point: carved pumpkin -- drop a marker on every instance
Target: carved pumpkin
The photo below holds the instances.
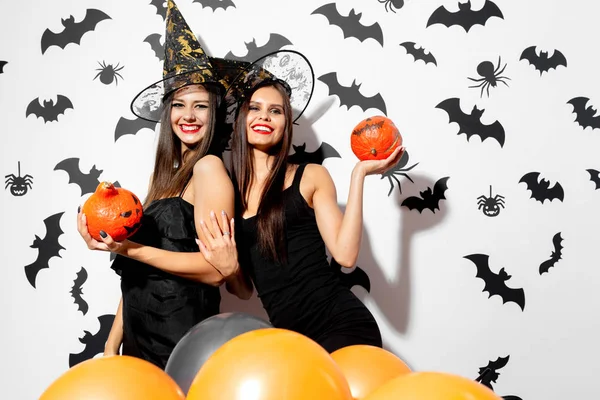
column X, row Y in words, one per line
column 113, row 210
column 375, row 138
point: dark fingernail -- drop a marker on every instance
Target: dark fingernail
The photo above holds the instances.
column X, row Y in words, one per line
column 103, row 234
column 78, row 209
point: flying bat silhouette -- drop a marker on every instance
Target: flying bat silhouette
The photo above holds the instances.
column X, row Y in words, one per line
column 351, row 96
column 542, row 63
column 160, row 8
column 73, row 31
column 87, row 182
column 154, row 41
column 541, row 190
column 429, row 199
column 555, row 256
column 510, row 397
column 275, row 42
column 418, row 53
column 49, row 111
column 357, row 277
column 132, row 126
column 586, row 117
column 465, row 16
column 495, row 284
column 489, row 373
column 2, row 64
column 470, row 124
column 94, row 344
column 594, row 177
column 76, row 291
column 215, row 4
column 48, row 247
column 324, row 151
column 350, row 25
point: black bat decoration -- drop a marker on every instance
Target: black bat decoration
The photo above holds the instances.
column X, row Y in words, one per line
column 76, row 291
column 541, row 190
column 215, row 4
column 275, row 43
column 87, row 182
column 555, row 256
column 73, row 31
column 49, row 111
column 357, row 277
column 48, row 247
column 429, row 199
column 161, row 9
column 351, row 96
column 350, row 25
column 154, row 41
column 594, row 177
column 542, row 63
column 418, row 53
column 489, row 373
column 510, row 397
column 470, row 124
column 586, row 117
column 94, row 344
column 132, row 126
column 2, row 64
column 324, row 151
column 465, row 16
column 495, row 284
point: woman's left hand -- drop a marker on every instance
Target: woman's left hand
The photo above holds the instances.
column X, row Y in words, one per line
column 371, row 167
column 220, row 248
column 107, row 243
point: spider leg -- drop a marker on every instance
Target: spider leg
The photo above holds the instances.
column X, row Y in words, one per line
column 500, row 80
column 8, row 184
column 488, row 91
column 476, row 80
column 403, row 174
column 10, row 175
column 498, row 67
column 28, row 184
column 480, row 85
column 399, row 184
column 480, row 205
column 482, row 88
column 481, row 198
column 28, row 180
column 391, row 186
column 501, row 205
column 99, row 73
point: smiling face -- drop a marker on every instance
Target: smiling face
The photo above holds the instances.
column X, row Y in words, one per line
column 265, row 122
column 190, row 113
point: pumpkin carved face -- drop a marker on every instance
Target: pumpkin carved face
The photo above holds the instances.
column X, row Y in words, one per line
column 375, row 138
column 116, row 211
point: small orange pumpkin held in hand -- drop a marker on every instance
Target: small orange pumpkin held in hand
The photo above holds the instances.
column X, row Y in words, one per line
column 116, row 211
column 375, row 138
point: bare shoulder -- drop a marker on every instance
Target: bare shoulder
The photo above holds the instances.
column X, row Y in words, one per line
column 318, row 175
column 209, row 164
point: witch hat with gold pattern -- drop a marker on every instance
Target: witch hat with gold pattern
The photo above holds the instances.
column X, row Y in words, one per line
column 185, row 63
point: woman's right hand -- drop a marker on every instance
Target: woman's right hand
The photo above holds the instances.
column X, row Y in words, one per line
column 91, row 243
column 220, row 249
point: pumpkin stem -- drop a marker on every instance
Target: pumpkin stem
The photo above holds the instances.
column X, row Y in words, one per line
column 107, row 189
column 373, row 151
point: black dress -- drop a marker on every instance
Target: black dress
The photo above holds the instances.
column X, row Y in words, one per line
column 159, row 307
column 305, row 295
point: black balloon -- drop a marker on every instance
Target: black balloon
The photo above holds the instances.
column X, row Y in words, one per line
column 194, row 349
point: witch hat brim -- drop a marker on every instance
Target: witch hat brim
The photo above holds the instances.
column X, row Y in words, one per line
column 288, row 67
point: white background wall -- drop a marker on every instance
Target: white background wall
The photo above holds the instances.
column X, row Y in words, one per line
column 425, row 295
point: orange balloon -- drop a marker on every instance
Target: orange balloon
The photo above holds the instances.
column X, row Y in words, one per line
column 114, row 378
column 432, row 385
column 368, row 367
column 270, row 364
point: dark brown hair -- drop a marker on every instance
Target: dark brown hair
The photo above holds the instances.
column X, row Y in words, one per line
column 171, row 174
column 270, row 213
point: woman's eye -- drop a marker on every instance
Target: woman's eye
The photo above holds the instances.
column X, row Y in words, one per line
column 253, row 108
column 201, row 106
column 177, row 105
column 276, row 111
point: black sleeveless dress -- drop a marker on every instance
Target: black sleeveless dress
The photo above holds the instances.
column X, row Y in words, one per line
column 159, row 307
column 306, row 295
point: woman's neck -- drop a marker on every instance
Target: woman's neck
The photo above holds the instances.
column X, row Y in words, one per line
column 263, row 163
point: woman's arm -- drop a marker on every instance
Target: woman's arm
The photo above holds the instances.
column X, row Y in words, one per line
column 115, row 337
column 342, row 232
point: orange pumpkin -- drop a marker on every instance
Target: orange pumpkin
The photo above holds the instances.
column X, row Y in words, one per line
column 375, row 138
column 116, row 211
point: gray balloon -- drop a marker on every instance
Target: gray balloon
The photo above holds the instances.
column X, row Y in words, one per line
column 200, row 342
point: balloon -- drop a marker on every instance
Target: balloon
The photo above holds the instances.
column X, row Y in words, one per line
column 114, row 378
column 193, row 349
column 366, row 368
column 270, row 364
column 432, row 385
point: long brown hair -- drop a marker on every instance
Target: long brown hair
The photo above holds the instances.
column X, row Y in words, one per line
column 270, row 213
column 171, row 173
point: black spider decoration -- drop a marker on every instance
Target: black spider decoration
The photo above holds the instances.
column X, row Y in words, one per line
column 490, row 76
column 391, row 4
column 491, row 205
column 18, row 185
column 398, row 169
column 108, row 73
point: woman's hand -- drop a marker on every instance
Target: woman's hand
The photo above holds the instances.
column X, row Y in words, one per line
column 107, row 244
column 220, row 249
column 370, row 167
